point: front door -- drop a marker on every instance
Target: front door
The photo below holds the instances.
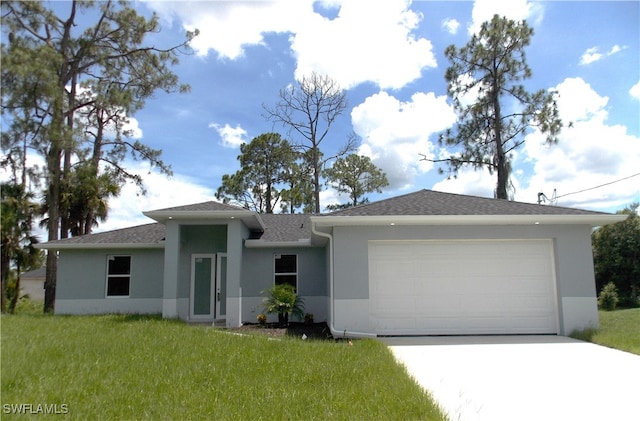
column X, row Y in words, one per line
column 203, row 271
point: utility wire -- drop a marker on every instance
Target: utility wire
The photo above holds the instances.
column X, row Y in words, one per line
column 597, row 187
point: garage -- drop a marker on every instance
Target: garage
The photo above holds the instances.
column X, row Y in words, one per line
column 462, row 287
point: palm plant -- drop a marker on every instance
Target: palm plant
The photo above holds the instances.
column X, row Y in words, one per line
column 17, row 213
column 282, row 300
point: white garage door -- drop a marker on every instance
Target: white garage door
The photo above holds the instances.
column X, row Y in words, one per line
column 462, row 287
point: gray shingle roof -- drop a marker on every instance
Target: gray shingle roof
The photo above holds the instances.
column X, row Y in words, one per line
column 204, row 206
column 141, row 234
column 286, row 227
column 429, row 202
column 295, row 227
column 34, row 274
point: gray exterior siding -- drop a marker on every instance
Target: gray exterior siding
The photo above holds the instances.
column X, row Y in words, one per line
column 258, row 275
column 258, row 270
column 82, row 274
column 82, row 277
column 573, row 265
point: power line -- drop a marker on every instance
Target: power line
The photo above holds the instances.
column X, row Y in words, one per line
column 597, row 187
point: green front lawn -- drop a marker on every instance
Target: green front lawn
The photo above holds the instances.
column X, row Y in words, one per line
column 619, row 329
column 129, row 367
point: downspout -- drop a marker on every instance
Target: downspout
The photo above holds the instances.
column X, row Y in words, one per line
column 336, row 333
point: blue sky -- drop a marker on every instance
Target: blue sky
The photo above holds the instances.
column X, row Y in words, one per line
column 389, row 56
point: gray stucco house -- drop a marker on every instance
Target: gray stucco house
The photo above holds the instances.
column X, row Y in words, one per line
column 424, row 263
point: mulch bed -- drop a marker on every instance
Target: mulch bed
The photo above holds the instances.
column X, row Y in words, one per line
column 318, row 331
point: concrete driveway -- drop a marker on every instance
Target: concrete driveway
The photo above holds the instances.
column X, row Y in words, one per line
column 520, row 378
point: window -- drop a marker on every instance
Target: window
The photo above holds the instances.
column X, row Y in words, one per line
column 118, row 276
column 286, row 269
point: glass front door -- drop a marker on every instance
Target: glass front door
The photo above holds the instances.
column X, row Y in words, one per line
column 202, row 286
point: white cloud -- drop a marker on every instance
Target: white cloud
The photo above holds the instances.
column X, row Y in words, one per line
column 129, row 125
column 635, row 91
column 450, row 25
column 162, row 192
column 132, row 127
column 363, row 43
column 577, row 101
column 228, row 27
column 394, row 133
column 126, row 209
column 332, row 197
column 232, row 137
column 483, row 11
column 468, row 181
column 592, row 55
column 615, row 49
column 589, row 154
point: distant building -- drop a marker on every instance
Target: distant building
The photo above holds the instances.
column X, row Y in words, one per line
column 32, row 284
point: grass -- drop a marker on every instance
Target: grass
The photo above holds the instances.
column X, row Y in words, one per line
column 619, row 329
column 135, row 367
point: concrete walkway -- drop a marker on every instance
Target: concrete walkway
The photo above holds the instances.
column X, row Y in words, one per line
column 522, row 378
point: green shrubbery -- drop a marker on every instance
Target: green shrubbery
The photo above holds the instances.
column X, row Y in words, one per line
column 282, row 300
column 616, row 257
column 608, row 298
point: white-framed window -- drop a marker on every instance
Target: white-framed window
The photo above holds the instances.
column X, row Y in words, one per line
column 118, row 276
column 286, row 269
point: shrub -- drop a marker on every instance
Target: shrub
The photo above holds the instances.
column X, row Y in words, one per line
column 308, row 318
column 262, row 318
column 608, row 298
column 282, row 300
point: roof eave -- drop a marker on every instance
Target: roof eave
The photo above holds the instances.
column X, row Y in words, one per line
column 591, row 220
column 98, row 246
column 250, row 219
column 303, row 242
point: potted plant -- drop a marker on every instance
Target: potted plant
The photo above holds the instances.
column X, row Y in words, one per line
column 282, row 300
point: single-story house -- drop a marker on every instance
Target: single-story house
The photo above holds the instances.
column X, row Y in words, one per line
column 32, row 284
column 424, row 263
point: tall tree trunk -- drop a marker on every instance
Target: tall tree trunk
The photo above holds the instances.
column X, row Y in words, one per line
column 316, row 178
column 54, row 159
column 95, row 167
column 269, row 208
column 501, row 162
column 4, row 275
column 59, row 144
column 65, row 222
column 53, row 197
column 16, row 294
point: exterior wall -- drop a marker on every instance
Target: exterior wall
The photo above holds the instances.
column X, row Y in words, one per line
column 170, row 303
column 249, row 271
column 573, row 266
column 183, row 240
column 34, row 287
column 237, row 233
column 82, row 277
column 258, row 275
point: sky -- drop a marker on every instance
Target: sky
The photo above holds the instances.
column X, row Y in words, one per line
column 389, row 57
